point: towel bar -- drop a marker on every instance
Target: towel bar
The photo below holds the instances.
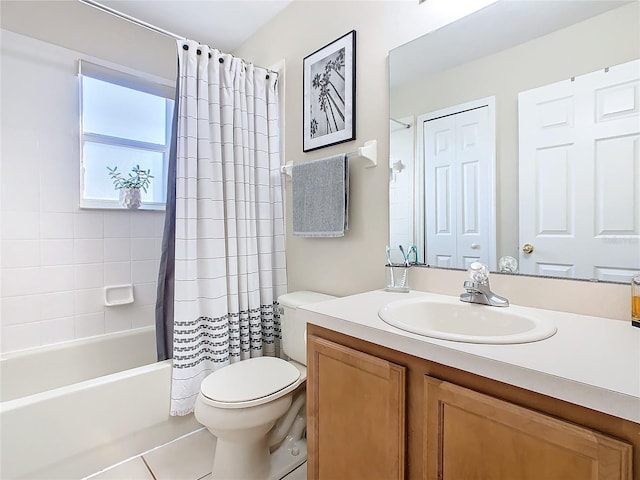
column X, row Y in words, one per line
column 369, row 151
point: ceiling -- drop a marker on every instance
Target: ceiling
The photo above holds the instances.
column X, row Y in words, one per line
column 498, row 26
column 222, row 24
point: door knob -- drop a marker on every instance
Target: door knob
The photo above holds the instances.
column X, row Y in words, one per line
column 527, row 248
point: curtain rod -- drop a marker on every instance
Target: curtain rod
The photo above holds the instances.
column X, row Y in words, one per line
column 131, row 19
column 406, row 125
column 135, row 21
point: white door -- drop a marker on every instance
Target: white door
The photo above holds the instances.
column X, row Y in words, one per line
column 579, row 177
column 458, row 159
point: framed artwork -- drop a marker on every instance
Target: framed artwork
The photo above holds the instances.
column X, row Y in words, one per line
column 329, row 85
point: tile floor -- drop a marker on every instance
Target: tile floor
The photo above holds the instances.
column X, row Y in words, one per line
column 188, row 458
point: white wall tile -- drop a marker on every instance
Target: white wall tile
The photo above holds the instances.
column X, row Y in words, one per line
column 56, row 252
column 19, row 151
column 20, row 253
column 56, row 305
column 88, row 250
column 20, row 281
column 117, row 249
column 158, row 248
column 87, row 301
column 89, row 325
column 144, row 248
column 19, row 337
column 117, row 318
column 144, row 271
column 143, row 224
column 56, row 225
column 159, row 224
column 56, row 278
column 22, row 309
column 56, row 197
column 89, row 225
column 59, row 172
column 143, row 316
column 17, row 194
column 18, row 142
column 116, row 225
column 88, row 275
column 54, row 259
column 145, row 294
column 57, row 330
column 117, row 273
column 20, row 225
column 46, row 109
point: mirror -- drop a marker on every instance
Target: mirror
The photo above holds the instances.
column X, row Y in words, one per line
column 509, row 82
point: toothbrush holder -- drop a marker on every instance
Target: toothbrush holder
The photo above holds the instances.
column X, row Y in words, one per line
column 397, row 277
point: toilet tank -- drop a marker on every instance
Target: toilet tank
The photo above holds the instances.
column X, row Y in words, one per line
column 294, row 332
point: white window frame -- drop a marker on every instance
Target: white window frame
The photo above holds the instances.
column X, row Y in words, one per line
column 135, row 80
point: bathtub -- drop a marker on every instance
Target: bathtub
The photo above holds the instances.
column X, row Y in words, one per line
column 70, row 410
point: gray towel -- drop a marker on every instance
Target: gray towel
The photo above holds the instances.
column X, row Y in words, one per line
column 320, row 191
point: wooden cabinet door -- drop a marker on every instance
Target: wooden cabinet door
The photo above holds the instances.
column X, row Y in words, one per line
column 472, row 436
column 355, row 414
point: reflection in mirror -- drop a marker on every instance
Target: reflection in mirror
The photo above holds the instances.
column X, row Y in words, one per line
column 515, row 132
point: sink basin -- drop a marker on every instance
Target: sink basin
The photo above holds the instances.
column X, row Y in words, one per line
column 465, row 322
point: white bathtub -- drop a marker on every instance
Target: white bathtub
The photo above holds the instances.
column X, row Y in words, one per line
column 72, row 409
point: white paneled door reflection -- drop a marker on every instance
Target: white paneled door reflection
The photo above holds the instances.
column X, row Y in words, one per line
column 579, row 161
column 458, row 157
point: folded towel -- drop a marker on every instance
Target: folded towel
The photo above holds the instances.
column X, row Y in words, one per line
column 320, row 191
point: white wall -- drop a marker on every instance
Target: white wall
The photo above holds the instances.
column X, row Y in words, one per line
column 355, row 263
column 76, row 26
column 55, row 259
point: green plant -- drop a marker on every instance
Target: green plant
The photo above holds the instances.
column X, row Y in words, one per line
column 137, row 178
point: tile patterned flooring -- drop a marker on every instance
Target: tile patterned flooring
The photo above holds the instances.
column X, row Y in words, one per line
column 188, row 458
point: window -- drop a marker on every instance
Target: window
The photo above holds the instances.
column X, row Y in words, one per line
column 125, row 121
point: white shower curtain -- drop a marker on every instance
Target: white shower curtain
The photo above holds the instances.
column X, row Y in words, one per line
column 230, row 263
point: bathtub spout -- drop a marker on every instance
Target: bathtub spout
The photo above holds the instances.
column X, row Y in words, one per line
column 282, row 426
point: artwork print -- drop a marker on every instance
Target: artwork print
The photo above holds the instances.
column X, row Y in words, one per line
column 329, row 94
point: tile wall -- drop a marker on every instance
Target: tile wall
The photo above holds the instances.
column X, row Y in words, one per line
column 401, row 188
column 56, row 259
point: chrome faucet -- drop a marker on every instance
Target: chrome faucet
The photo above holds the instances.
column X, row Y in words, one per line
column 478, row 289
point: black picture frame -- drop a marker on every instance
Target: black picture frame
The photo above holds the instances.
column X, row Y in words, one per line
column 329, row 90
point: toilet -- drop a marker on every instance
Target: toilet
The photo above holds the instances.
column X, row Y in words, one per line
column 256, row 408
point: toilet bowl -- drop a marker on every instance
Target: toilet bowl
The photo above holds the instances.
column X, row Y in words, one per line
column 240, row 404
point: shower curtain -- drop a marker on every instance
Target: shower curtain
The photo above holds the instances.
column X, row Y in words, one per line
column 229, row 266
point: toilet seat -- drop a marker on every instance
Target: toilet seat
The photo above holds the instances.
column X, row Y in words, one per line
column 250, row 382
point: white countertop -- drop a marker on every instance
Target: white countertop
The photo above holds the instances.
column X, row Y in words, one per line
column 590, row 361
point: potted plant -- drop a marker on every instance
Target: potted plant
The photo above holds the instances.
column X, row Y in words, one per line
column 130, row 186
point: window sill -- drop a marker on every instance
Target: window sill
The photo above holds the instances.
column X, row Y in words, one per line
column 115, row 205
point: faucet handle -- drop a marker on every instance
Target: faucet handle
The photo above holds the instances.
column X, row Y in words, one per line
column 470, row 286
column 479, row 272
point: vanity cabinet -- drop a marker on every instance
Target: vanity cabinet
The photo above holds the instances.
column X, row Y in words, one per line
column 356, row 414
column 468, row 435
column 377, row 413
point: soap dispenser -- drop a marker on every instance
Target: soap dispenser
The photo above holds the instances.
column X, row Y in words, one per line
column 635, row 300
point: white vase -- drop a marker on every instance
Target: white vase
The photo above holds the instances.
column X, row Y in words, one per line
column 130, row 198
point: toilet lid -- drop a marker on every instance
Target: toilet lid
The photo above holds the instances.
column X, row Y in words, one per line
column 249, row 380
